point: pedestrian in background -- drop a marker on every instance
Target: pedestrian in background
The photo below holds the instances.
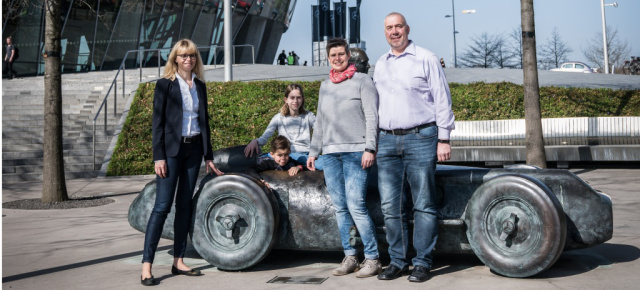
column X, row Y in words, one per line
column 10, row 57
column 296, row 59
column 290, row 59
column 282, row 58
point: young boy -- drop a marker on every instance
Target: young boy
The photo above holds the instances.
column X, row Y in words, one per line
column 279, row 159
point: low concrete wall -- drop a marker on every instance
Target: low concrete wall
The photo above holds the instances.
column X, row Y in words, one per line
column 556, row 131
column 560, row 154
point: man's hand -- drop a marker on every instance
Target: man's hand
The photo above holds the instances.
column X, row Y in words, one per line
column 251, row 148
column 161, row 168
column 444, row 152
column 311, row 163
column 209, row 165
column 368, row 159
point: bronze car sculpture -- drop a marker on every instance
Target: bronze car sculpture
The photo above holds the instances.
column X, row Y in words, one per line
column 517, row 220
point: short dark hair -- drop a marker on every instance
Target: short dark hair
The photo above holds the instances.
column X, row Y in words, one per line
column 280, row 143
column 337, row 42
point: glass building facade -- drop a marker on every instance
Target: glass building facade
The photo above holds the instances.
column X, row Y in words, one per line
column 96, row 34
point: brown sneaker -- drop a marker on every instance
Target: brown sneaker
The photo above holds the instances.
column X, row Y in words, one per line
column 349, row 265
column 369, row 268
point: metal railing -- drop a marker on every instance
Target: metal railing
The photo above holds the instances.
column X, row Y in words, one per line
column 122, row 67
column 556, row 131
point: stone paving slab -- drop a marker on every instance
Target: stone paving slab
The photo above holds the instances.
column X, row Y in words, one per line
column 95, row 248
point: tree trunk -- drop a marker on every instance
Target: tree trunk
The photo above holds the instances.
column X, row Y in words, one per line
column 533, row 122
column 54, row 187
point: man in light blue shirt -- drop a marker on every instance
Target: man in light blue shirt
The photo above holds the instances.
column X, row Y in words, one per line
column 415, row 122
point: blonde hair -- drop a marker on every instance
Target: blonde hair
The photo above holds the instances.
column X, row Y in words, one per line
column 285, row 108
column 183, row 46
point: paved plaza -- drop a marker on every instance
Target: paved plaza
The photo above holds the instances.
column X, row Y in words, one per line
column 95, row 248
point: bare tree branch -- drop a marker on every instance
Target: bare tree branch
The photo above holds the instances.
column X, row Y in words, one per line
column 618, row 50
column 554, row 51
column 482, row 52
column 515, row 46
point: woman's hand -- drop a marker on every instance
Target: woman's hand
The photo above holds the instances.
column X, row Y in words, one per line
column 209, row 165
column 161, row 168
column 251, row 147
column 368, row 159
column 311, row 163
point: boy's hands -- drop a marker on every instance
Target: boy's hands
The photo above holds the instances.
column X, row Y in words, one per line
column 294, row 170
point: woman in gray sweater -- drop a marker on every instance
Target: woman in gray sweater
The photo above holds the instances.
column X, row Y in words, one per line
column 346, row 134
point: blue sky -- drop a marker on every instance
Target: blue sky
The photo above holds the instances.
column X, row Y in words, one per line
column 577, row 21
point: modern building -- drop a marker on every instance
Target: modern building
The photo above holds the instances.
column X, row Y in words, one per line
column 96, row 34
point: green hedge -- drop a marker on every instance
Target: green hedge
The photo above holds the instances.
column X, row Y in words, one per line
column 241, row 111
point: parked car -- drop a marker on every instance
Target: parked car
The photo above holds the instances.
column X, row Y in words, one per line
column 517, row 220
column 574, row 66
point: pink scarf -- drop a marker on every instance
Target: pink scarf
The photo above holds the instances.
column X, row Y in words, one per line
column 338, row 77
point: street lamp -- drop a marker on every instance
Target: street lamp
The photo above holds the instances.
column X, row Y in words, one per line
column 453, row 16
column 604, row 35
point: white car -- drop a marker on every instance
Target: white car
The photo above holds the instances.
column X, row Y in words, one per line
column 574, row 66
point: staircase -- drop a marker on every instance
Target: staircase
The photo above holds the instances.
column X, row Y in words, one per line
column 82, row 95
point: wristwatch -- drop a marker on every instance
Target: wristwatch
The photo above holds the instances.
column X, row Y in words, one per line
column 443, row 141
column 370, row 151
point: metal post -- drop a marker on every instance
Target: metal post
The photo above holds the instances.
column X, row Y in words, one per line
column 123, row 81
column 604, row 39
column 159, row 64
column 455, row 55
column 106, row 105
column 227, row 41
column 140, row 62
column 95, row 36
column 115, row 98
column 93, row 161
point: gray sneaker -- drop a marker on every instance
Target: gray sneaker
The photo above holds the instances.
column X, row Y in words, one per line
column 369, row 267
column 349, row 265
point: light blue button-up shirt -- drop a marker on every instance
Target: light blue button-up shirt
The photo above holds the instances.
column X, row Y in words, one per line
column 413, row 90
column 190, row 125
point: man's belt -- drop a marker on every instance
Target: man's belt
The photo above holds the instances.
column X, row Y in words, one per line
column 413, row 130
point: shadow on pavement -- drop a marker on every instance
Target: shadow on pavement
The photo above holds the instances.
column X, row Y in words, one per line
column 283, row 259
column 75, row 265
column 581, row 261
column 449, row 263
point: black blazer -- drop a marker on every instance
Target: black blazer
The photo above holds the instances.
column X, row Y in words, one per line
column 167, row 119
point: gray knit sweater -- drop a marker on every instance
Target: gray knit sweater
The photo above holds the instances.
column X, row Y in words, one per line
column 296, row 129
column 347, row 117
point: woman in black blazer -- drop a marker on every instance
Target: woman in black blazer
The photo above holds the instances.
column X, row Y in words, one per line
column 180, row 139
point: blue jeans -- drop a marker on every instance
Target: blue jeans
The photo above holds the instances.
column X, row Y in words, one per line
column 413, row 156
column 182, row 171
column 347, row 185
